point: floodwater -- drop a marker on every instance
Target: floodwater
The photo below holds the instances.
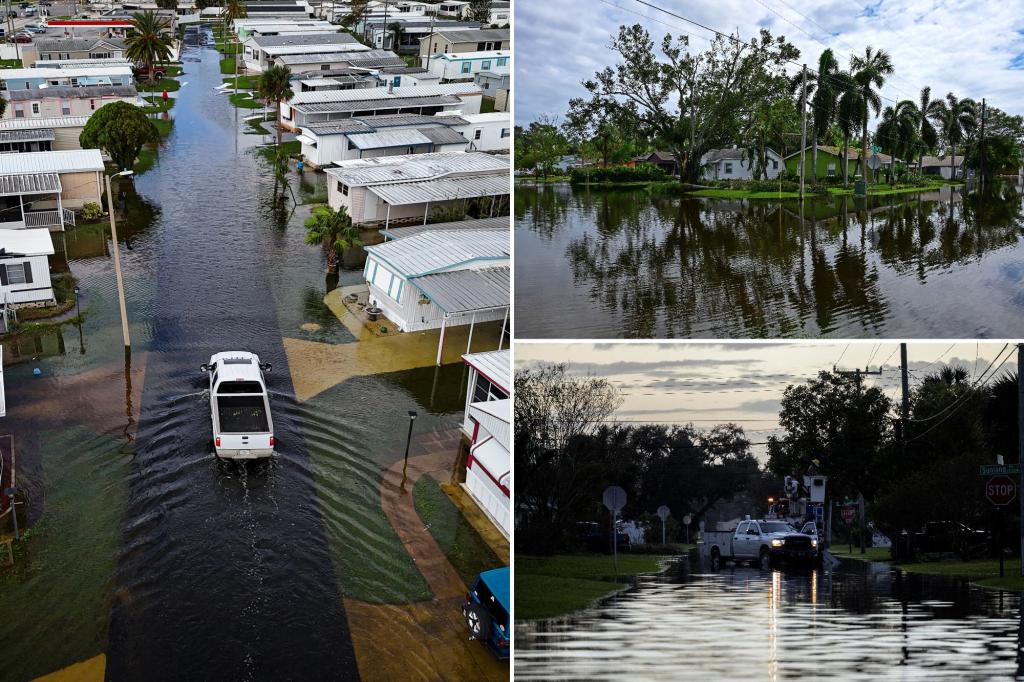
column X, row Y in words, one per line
column 626, row 263
column 146, row 548
column 862, row 621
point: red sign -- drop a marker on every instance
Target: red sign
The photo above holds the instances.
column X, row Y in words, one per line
column 1001, row 490
column 849, row 513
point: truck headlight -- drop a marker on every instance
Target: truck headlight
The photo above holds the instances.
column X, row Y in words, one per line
column 777, row 543
column 814, row 542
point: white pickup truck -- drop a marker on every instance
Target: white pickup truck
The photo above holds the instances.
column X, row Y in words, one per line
column 761, row 543
column 239, row 407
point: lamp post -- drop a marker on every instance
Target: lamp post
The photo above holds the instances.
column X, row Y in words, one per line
column 408, row 441
column 78, row 306
column 11, row 492
column 117, row 264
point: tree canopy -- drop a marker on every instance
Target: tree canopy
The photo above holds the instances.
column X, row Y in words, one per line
column 120, row 129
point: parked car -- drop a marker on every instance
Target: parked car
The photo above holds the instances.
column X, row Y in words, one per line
column 761, row 542
column 487, row 608
column 141, row 72
column 22, row 37
column 937, row 537
column 35, row 29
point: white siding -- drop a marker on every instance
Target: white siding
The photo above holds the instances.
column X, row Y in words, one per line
column 489, row 497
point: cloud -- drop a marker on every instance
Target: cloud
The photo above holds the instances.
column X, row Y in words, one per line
column 974, row 49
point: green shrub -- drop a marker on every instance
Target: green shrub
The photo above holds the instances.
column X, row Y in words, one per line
column 642, row 173
column 91, row 211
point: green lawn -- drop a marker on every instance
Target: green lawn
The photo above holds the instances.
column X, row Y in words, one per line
column 254, row 126
column 227, row 66
column 547, row 587
column 10, row 63
column 164, row 126
column 870, row 553
column 463, row 546
column 244, row 82
column 158, row 105
column 229, row 48
column 242, row 100
column 147, row 157
column 744, row 194
column 164, row 85
column 486, row 105
column 882, row 189
column 174, row 70
column 290, row 148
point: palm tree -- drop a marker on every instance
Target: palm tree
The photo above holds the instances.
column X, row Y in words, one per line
column 397, row 30
column 848, row 113
column 930, row 111
column 274, row 87
column 333, row 231
column 869, row 71
column 961, row 118
column 823, row 104
column 897, row 132
column 150, row 41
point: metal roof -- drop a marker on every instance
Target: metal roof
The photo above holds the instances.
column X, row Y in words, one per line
column 74, row 44
column 69, row 72
column 416, row 167
column 444, row 135
column 28, row 135
column 32, row 123
column 366, row 94
column 443, row 189
column 402, row 137
column 73, row 92
column 32, row 242
column 481, row 54
column 496, row 365
column 370, row 104
column 430, row 252
column 368, row 123
column 30, row 183
column 364, row 58
column 76, row 63
column 499, row 223
column 64, row 161
column 471, row 36
column 463, row 291
column 304, row 39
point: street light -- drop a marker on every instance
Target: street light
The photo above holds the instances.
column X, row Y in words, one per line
column 78, row 305
column 408, row 441
column 117, row 264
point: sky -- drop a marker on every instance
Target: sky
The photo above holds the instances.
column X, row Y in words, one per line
column 712, row 383
column 974, row 48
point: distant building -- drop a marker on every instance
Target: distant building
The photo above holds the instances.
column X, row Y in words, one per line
column 733, row 164
column 480, row 40
column 67, row 49
column 79, row 76
column 830, row 161
column 365, row 137
column 464, row 66
column 944, row 166
column 261, row 52
column 60, row 101
column 496, row 87
column 314, row 108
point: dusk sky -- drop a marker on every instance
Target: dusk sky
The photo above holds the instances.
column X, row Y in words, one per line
column 710, row 383
column 974, row 48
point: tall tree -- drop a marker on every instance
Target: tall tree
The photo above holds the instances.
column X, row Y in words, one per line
column 869, row 71
column 849, row 109
column 275, row 87
column 120, row 129
column 688, row 102
column 897, row 132
column 932, row 112
column 821, row 94
column 333, row 231
column 541, row 146
column 960, row 120
column 149, row 41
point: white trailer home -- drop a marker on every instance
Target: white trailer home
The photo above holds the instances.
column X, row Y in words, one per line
column 490, row 132
column 486, row 429
column 464, row 66
column 261, row 52
column 365, row 137
column 25, row 268
column 325, row 106
column 40, row 189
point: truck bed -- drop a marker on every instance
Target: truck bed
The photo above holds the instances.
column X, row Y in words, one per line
column 242, row 414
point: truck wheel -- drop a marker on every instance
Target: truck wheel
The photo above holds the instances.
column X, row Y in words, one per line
column 716, row 559
column 478, row 621
column 765, row 560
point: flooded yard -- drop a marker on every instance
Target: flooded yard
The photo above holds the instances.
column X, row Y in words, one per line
column 628, row 263
column 864, row 619
column 145, row 549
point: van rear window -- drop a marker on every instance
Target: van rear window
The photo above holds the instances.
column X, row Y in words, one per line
column 228, row 387
column 497, row 611
column 242, row 414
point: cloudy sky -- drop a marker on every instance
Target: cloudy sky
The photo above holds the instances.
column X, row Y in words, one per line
column 709, row 383
column 974, row 48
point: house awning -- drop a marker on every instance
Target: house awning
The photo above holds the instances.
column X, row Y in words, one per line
column 442, row 189
column 383, row 139
column 30, row 135
column 465, row 291
column 494, row 459
column 306, row 140
column 29, row 183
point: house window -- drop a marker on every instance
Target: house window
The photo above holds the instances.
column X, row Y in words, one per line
column 728, row 167
column 325, row 67
column 351, row 145
column 343, row 188
column 92, row 105
column 35, row 108
column 20, row 273
column 477, row 133
column 504, row 132
column 396, row 81
column 480, row 47
column 485, row 65
column 484, row 390
column 502, row 61
column 775, row 164
column 19, row 110
column 65, row 107
column 467, row 67
column 831, row 170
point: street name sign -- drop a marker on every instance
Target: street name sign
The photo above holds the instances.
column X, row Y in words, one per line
column 1001, row 490
column 987, row 470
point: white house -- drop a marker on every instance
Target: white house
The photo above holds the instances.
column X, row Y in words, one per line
column 386, row 190
column 365, row 137
column 37, row 188
column 246, row 28
column 261, row 52
column 491, row 132
column 309, row 62
column 318, row 107
column 936, row 165
column 486, row 427
column 437, row 279
column 61, row 101
column 464, row 66
column 41, row 134
column 25, row 268
column 733, row 164
column 77, row 76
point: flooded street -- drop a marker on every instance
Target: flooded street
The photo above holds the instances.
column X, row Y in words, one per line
column 151, row 559
column 864, row 620
column 629, row 263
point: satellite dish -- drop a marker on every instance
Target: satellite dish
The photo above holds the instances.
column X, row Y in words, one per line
column 614, row 498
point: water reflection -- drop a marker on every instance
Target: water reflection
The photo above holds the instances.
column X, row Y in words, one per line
column 631, row 263
column 860, row 622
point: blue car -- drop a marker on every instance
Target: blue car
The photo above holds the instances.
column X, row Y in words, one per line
column 487, row 611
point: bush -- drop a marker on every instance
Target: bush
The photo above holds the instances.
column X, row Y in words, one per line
column 641, row 173
column 91, row 211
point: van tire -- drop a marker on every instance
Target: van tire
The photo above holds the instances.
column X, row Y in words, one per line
column 716, row 559
column 478, row 621
column 765, row 559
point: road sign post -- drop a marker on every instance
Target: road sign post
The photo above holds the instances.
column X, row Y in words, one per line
column 687, row 520
column 614, row 499
column 663, row 513
column 1001, row 490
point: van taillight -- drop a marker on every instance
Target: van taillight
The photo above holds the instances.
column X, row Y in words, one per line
column 272, row 441
column 217, row 441
column 503, row 643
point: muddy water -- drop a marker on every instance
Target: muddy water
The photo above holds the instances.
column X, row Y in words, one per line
column 862, row 621
column 626, row 263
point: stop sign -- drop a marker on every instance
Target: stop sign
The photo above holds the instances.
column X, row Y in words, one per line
column 848, row 514
column 1001, row 490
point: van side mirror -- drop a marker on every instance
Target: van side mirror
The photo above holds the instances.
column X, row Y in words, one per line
column 204, row 367
column 266, row 367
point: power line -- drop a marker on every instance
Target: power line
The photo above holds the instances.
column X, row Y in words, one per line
column 956, row 404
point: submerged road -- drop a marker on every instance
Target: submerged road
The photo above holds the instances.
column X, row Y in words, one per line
column 225, row 572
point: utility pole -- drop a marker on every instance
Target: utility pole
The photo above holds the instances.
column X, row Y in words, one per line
column 1020, row 443
column 803, row 129
column 982, row 143
column 905, row 402
column 857, row 375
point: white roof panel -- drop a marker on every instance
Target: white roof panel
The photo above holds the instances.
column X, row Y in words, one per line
column 65, row 161
column 33, row 242
column 32, row 123
column 496, row 365
column 69, row 72
column 430, row 252
column 463, row 291
column 416, row 167
column 442, row 189
column 319, row 96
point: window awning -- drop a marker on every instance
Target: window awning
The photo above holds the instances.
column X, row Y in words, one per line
column 29, row 183
column 442, row 189
column 465, row 291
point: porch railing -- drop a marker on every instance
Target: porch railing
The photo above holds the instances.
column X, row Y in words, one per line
column 69, row 217
column 43, row 219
